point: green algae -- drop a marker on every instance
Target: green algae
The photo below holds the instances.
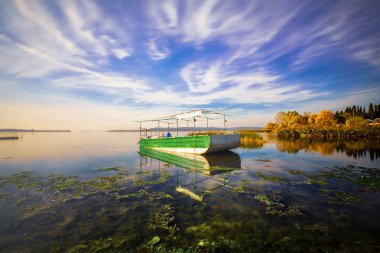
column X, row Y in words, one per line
column 154, row 241
column 110, row 168
column 264, row 199
column 16, row 178
column 268, row 177
column 142, row 182
column 341, row 197
column 274, row 205
column 162, row 219
column 110, row 244
column 295, row 172
column 365, row 178
column 38, row 194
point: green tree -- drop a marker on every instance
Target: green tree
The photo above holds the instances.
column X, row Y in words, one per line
column 339, row 117
column 371, row 111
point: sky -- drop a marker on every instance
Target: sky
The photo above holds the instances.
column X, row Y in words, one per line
column 100, row 65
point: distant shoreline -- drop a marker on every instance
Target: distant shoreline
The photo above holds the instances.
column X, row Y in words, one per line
column 10, row 130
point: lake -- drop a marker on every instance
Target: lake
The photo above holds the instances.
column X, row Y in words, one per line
column 96, row 192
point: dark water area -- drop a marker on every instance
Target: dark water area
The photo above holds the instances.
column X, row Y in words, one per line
column 97, row 192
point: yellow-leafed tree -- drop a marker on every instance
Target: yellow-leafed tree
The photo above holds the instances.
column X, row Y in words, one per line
column 325, row 119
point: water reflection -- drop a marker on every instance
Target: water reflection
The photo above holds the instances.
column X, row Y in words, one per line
column 209, row 164
column 198, row 178
column 356, row 149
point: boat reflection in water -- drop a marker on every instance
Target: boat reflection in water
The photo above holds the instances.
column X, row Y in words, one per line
column 196, row 175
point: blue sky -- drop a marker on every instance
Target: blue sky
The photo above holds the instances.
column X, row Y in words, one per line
column 103, row 64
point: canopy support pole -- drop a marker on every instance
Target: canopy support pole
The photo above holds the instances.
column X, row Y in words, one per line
column 177, row 126
column 225, row 128
column 140, row 130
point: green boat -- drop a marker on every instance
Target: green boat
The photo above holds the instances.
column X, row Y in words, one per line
column 195, row 143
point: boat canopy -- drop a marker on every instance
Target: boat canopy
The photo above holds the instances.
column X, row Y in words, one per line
column 191, row 116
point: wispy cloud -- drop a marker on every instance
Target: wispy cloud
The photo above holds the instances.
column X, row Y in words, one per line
column 171, row 53
column 155, row 52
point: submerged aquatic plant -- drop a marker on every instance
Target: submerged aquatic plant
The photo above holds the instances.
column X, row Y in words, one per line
column 36, row 193
column 268, row 177
column 275, row 206
column 162, row 219
column 110, row 244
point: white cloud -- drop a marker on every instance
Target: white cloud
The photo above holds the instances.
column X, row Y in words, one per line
column 156, row 53
column 106, row 80
column 250, row 88
column 201, row 78
column 121, row 53
column 170, row 10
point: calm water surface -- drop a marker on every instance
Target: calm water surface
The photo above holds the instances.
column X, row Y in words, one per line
column 97, row 192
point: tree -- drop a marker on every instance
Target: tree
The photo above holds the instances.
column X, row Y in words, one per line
column 288, row 119
column 325, row 119
column 356, row 122
column 280, row 118
column 339, row 117
column 311, row 119
column 371, row 111
column 303, row 119
column 270, row 126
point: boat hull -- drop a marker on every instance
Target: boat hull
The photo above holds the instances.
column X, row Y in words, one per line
column 197, row 144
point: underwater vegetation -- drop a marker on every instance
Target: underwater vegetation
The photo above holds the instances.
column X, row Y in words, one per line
column 120, row 210
column 51, row 190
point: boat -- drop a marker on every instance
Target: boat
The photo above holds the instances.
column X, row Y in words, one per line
column 194, row 143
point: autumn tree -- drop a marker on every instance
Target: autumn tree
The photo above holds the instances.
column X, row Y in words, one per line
column 270, row 126
column 288, row 119
column 357, row 122
column 311, row 119
column 325, row 119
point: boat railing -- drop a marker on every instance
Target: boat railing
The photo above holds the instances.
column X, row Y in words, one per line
column 191, row 118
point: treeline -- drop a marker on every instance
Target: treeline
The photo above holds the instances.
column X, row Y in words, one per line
column 372, row 112
column 354, row 122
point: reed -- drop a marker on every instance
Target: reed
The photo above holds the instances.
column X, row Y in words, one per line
column 250, row 139
column 329, row 132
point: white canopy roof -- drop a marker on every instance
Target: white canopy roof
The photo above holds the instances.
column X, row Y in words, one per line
column 191, row 115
